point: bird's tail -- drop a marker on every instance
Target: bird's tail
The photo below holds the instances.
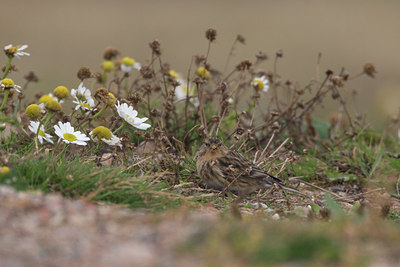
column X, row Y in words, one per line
column 279, row 183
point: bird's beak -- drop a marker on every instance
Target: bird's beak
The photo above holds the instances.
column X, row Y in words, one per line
column 213, row 147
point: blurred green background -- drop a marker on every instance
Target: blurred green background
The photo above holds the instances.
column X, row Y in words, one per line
column 64, row 35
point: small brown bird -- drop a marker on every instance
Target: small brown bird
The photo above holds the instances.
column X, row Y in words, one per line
column 224, row 169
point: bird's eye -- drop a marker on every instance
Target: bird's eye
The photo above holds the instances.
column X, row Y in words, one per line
column 206, row 144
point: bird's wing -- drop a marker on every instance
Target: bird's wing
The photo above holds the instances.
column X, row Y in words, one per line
column 236, row 165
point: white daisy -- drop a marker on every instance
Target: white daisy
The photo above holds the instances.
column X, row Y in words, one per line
column 7, row 84
column 128, row 64
column 104, row 134
column 34, row 127
column 16, row 51
column 260, row 83
column 181, row 91
column 82, row 98
column 67, row 133
column 130, row 116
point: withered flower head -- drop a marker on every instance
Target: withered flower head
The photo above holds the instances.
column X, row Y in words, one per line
column 241, row 39
column 198, row 59
column 370, row 70
column 155, row 47
column 337, row 80
column 101, row 94
column 110, row 53
column 328, row 72
column 12, row 68
column 211, row 34
column 261, row 56
column 279, row 53
column 147, row 72
column 84, row 73
column 244, row 65
column 31, row 77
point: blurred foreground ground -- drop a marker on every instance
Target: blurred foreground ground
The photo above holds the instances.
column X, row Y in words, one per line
column 49, row 230
column 64, row 35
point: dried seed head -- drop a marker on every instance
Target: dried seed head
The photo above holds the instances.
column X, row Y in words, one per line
column 31, row 77
column 279, row 53
column 155, row 47
column 239, row 131
column 337, row 80
column 101, row 94
column 199, row 80
column 275, row 126
column 241, row 39
column 146, row 72
column 345, row 75
column 328, row 72
column 110, row 53
column 215, row 118
column 12, row 68
column 261, row 56
column 222, row 87
column 299, row 91
column 211, row 34
column 84, row 73
column 274, row 113
column 370, row 70
column 199, row 59
column 244, row 65
column 155, row 112
column 335, row 94
column 136, row 98
column 300, row 104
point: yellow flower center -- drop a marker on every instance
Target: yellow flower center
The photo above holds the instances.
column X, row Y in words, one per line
column 81, row 97
column 4, row 170
column 7, row 83
column 108, row 66
column 86, row 106
column 69, row 137
column 102, row 132
column 173, row 74
column 61, row 92
column 41, row 133
column 53, row 105
column 127, row 61
column 33, row 111
column 111, row 100
column 259, row 84
column 13, row 50
column 203, row 72
column 45, row 99
column 127, row 116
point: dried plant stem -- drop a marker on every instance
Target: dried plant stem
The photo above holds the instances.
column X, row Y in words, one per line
column 317, row 97
column 279, row 147
column 230, row 55
column 258, row 162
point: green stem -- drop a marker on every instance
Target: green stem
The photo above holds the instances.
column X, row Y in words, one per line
column 126, row 85
column 6, row 92
column 101, row 111
column 62, row 152
column 120, row 127
column 7, row 67
column 104, row 79
column 49, row 116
